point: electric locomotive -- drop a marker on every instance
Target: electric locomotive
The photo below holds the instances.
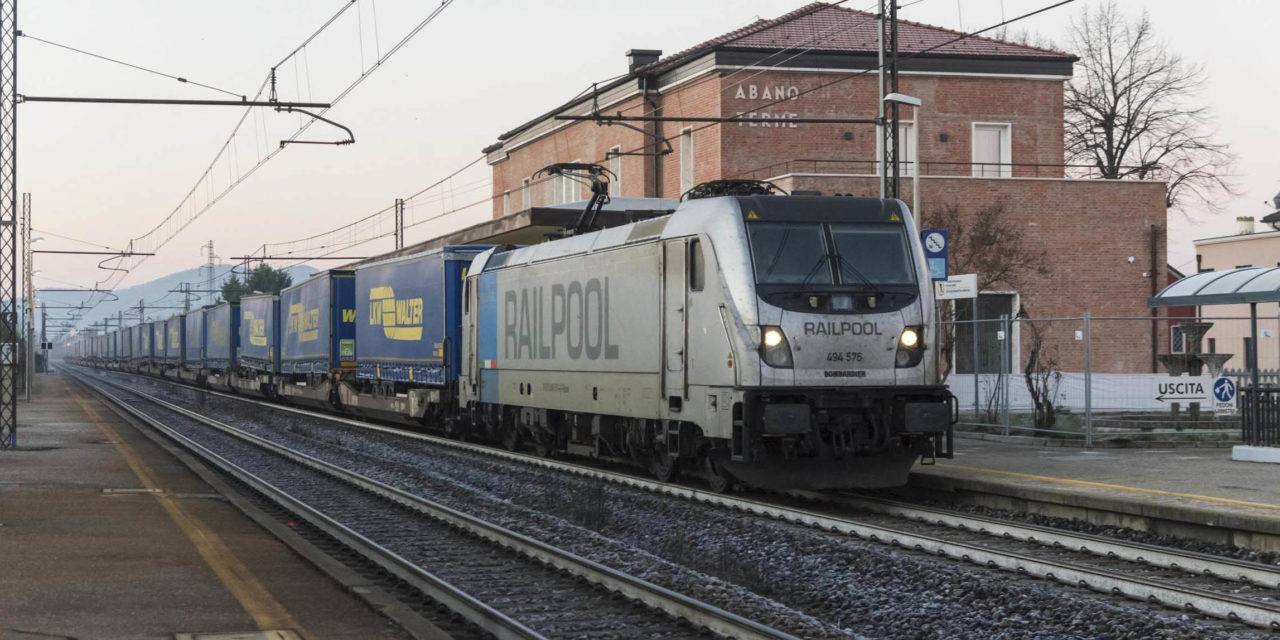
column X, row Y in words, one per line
column 783, row 341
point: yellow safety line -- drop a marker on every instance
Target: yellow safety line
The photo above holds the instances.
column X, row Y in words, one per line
column 1102, row 485
column 265, row 610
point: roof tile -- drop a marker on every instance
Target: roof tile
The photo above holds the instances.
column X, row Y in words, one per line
column 824, row 27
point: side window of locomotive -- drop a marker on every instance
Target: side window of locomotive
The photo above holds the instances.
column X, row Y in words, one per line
column 697, row 266
column 466, row 296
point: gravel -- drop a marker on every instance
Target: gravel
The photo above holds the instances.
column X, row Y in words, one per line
column 807, row 582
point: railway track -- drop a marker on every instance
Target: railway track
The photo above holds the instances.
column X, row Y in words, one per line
column 507, row 584
column 1223, row 588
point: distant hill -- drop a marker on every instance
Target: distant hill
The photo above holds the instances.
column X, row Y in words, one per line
column 159, row 301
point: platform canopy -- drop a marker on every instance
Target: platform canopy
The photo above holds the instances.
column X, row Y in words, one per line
column 1243, row 285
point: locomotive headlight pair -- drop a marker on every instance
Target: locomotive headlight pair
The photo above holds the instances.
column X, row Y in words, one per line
column 910, row 347
column 774, row 348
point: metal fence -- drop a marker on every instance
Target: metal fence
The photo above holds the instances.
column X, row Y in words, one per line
column 1098, row 378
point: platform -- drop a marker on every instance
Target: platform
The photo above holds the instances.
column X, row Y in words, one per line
column 1198, row 492
column 105, row 534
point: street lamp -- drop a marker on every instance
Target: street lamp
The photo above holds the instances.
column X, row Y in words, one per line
column 915, row 103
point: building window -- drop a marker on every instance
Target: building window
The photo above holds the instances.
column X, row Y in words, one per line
column 991, row 307
column 526, row 198
column 506, row 202
column 992, row 150
column 1177, row 339
column 565, row 189
column 906, row 155
column 686, row 160
column 615, row 167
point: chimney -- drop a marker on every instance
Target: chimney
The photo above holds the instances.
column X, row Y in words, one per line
column 637, row 58
column 1245, row 224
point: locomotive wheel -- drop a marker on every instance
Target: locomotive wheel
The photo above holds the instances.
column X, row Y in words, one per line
column 455, row 428
column 511, row 438
column 663, row 466
column 718, row 479
column 543, row 448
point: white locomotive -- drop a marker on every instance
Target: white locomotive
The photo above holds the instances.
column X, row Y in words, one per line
column 784, row 341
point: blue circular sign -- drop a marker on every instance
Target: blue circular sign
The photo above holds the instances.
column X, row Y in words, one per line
column 1224, row 390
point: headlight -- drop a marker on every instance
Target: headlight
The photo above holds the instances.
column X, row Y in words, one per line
column 774, row 348
column 910, row 338
column 910, row 347
column 773, row 337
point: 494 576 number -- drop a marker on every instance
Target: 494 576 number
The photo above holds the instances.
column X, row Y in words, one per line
column 844, row 356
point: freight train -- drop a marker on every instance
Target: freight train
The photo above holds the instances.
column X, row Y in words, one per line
column 770, row 340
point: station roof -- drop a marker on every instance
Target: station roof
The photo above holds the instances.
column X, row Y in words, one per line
column 1233, row 286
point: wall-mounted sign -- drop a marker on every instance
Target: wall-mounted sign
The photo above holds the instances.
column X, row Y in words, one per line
column 935, row 252
column 769, row 94
column 957, row 287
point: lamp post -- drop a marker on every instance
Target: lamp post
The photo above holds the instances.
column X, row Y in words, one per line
column 898, row 98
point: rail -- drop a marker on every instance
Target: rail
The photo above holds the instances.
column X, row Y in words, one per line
column 1227, row 606
column 672, row 603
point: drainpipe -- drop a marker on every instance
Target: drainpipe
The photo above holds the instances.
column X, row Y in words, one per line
column 1154, row 236
column 654, row 100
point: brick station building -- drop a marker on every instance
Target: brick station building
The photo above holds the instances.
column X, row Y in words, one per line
column 990, row 133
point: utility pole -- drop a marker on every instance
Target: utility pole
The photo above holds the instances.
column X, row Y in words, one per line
column 28, row 299
column 208, row 281
column 44, row 335
column 8, row 223
column 889, row 168
column 399, row 223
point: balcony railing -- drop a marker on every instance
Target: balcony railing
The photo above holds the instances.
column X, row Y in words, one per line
column 928, row 169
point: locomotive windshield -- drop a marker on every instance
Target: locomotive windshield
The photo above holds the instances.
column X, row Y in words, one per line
column 812, row 253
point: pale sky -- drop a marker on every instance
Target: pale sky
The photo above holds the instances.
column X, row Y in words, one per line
column 109, row 173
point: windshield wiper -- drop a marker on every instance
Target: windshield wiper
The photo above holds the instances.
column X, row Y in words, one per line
column 815, row 270
column 845, row 264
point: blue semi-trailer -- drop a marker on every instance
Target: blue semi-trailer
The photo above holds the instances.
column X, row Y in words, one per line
column 408, row 326
column 317, row 333
column 257, row 360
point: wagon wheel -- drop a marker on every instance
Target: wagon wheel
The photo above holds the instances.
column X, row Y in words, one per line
column 719, row 479
column 543, row 447
column 663, row 466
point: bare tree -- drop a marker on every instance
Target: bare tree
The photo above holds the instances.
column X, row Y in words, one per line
column 1130, row 110
column 982, row 241
column 1041, row 372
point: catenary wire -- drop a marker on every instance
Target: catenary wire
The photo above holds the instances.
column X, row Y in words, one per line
column 130, row 65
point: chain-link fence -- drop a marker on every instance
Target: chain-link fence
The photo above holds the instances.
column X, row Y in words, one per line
column 1098, row 378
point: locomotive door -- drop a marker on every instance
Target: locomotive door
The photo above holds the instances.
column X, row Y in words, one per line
column 674, row 318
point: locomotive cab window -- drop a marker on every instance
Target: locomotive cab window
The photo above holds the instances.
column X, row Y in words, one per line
column 789, row 253
column 872, row 254
column 851, row 254
column 697, row 268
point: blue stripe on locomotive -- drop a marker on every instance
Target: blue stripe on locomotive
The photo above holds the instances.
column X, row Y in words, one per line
column 222, row 335
column 408, row 315
column 259, row 335
column 193, row 340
